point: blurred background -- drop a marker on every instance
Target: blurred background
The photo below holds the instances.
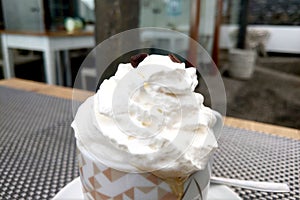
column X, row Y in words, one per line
column 255, row 44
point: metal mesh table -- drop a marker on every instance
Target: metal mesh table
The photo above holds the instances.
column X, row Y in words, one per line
column 37, row 145
column 38, row 151
column 250, row 155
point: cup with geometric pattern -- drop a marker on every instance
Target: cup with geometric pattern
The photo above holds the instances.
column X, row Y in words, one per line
column 100, row 182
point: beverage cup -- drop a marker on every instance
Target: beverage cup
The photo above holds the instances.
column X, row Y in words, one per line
column 100, row 181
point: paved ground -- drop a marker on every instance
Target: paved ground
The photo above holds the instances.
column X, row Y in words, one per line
column 272, row 95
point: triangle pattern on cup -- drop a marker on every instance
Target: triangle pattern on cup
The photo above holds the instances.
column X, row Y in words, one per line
column 113, row 175
column 146, row 189
column 168, row 196
column 96, row 170
column 119, row 197
column 97, row 195
column 130, row 193
column 95, row 183
column 153, row 179
column 161, row 193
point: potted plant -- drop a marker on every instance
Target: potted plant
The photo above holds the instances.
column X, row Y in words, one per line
column 242, row 59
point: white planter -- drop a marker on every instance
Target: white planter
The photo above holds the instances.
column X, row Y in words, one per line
column 241, row 63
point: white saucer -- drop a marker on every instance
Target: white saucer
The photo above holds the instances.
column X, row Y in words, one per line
column 215, row 192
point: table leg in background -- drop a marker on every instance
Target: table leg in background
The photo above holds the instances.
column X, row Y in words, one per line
column 49, row 66
column 67, row 65
column 7, row 59
column 59, row 68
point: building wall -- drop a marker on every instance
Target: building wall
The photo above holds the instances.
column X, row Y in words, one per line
column 283, row 39
column 154, row 13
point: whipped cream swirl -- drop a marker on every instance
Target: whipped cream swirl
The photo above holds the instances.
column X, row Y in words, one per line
column 150, row 119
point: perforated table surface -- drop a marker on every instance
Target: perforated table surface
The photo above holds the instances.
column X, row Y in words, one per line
column 38, row 151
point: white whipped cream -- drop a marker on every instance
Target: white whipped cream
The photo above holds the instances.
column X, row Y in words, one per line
column 149, row 119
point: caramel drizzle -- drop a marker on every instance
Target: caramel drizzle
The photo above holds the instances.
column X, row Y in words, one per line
column 176, row 184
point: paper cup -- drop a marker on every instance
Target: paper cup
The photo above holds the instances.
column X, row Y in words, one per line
column 100, row 182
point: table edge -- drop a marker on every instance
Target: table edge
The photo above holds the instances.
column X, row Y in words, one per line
column 67, row 93
column 49, row 33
